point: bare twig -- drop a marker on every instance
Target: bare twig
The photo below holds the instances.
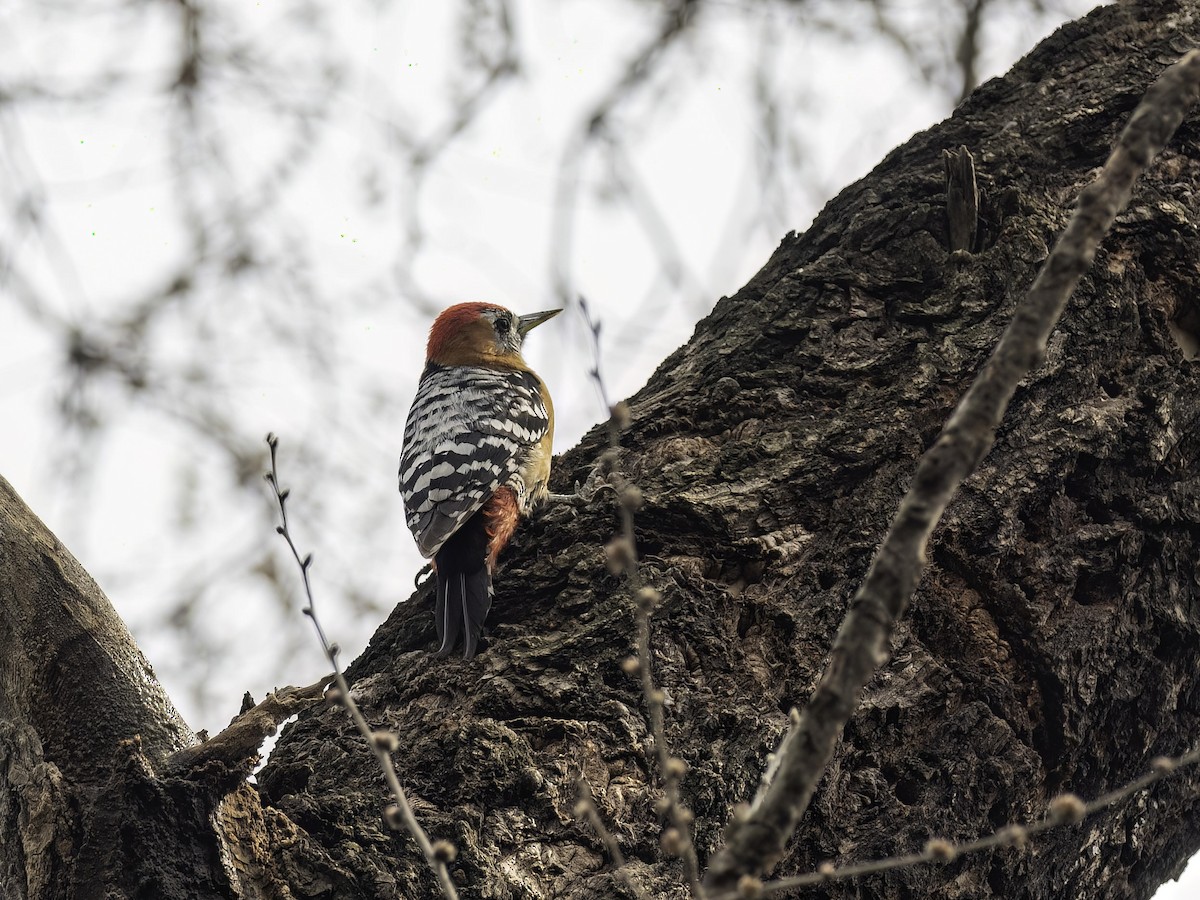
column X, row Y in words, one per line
column 497, row 69
column 969, row 45
column 757, row 842
column 1065, row 809
column 678, row 16
column 586, row 809
column 382, row 743
column 622, row 555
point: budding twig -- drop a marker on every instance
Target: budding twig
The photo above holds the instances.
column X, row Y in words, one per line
column 382, row 743
column 586, row 809
column 1065, row 809
column 622, row 556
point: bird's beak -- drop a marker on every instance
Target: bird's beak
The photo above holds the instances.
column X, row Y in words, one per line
column 527, row 323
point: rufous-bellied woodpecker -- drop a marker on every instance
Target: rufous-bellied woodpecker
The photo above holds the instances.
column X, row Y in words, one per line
column 476, row 457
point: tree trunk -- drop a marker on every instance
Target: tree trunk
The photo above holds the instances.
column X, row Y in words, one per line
column 1052, row 646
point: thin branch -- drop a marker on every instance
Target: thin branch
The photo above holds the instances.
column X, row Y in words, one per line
column 969, row 45
column 757, row 842
column 678, row 16
column 622, row 555
column 586, row 809
column 671, row 259
column 382, row 743
column 1065, row 809
column 497, row 72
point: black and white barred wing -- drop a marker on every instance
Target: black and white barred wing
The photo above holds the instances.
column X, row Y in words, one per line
column 467, row 433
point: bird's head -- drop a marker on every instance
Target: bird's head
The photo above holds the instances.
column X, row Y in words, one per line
column 481, row 333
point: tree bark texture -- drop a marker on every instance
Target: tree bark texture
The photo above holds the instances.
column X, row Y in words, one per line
column 83, row 725
column 1053, row 644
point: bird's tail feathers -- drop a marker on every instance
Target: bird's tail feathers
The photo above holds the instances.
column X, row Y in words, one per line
column 463, row 601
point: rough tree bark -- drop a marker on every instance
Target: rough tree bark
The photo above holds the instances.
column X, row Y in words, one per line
column 1052, row 645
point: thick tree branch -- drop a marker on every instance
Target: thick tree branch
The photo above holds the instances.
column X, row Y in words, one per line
column 757, row 842
column 69, row 668
column 238, row 743
column 78, row 702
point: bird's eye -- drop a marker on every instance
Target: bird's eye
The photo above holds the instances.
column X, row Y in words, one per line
column 502, row 326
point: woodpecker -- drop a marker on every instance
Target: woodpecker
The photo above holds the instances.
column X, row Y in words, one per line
column 476, row 457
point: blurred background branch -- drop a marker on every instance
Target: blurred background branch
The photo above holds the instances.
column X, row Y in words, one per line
column 221, row 217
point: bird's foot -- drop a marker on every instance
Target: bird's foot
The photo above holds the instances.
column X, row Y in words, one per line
column 422, row 577
column 583, row 495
